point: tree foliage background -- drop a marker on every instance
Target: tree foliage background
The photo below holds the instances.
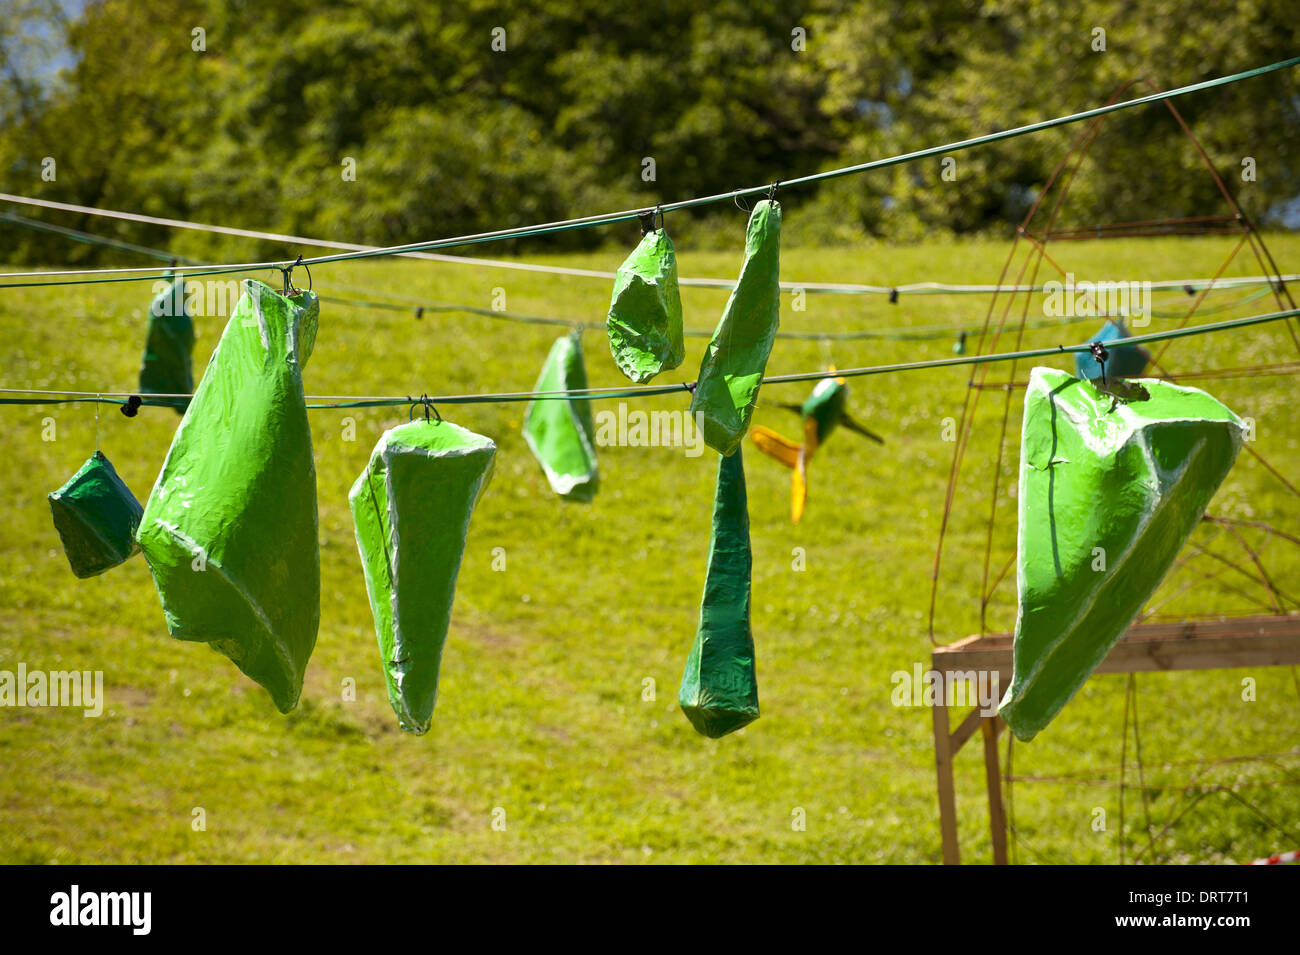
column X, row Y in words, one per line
column 450, row 136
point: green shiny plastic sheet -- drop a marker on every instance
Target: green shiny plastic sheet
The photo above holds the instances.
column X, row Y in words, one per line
column 1133, row 482
column 411, row 507
column 96, row 516
column 719, row 690
column 736, row 358
column 168, row 364
column 645, row 311
column 561, row 432
column 230, row 528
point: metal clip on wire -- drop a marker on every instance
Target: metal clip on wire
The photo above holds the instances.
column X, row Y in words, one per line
column 1100, row 354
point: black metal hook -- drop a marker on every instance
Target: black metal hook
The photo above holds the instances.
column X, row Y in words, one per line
column 132, row 406
column 288, row 275
column 425, row 400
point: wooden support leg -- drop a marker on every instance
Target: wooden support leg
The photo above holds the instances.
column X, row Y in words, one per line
column 993, row 779
column 947, row 794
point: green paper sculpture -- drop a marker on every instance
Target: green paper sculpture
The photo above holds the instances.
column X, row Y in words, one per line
column 168, row 366
column 411, row 507
column 230, row 528
column 736, row 358
column 559, row 431
column 96, row 516
column 719, row 691
column 645, row 312
column 1127, row 486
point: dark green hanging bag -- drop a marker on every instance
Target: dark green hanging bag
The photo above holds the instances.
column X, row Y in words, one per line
column 719, row 691
column 168, row 365
column 96, row 516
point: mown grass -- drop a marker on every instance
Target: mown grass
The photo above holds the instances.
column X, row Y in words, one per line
column 541, row 709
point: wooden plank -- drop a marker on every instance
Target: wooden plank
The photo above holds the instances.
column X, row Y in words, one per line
column 993, row 781
column 1266, row 640
column 947, row 791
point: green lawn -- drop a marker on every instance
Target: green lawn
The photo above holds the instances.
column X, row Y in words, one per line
column 541, row 709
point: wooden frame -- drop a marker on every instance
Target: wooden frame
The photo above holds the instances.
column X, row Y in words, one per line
column 1220, row 644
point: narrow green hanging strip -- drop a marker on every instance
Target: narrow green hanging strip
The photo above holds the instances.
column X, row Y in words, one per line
column 412, row 507
column 645, row 311
column 230, row 529
column 719, row 691
column 168, row 365
column 733, row 365
column 561, row 432
column 1109, row 491
column 96, row 516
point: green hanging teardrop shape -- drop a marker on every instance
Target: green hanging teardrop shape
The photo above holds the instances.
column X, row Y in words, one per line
column 559, row 431
column 719, row 690
column 645, row 311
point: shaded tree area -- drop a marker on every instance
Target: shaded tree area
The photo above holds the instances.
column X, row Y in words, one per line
column 450, row 134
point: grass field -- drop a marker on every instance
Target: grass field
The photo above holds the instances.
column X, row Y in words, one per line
column 541, row 710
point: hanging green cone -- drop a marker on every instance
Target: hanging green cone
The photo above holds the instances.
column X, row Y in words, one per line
column 719, row 692
column 96, row 516
column 230, row 528
column 645, row 312
column 411, row 507
column 1106, row 499
column 168, row 367
column 733, row 365
column 560, row 432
